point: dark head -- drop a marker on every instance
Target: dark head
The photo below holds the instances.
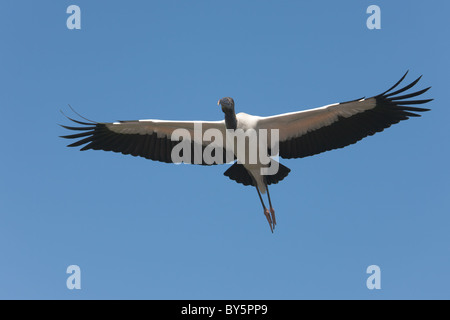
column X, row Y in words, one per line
column 228, row 108
column 227, row 104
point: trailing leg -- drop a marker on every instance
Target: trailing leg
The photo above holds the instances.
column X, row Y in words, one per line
column 266, row 212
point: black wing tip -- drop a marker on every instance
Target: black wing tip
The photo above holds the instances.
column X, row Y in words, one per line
column 400, row 101
column 423, row 109
column 91, row 122
column 400, row 81
column 396, row 84
column 389, row 93
column 86, row 130
column 74, row 111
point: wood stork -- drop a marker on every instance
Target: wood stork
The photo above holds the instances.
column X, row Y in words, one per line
column 301, row 134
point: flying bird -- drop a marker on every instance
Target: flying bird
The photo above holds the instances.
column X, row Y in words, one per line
column 301, row 134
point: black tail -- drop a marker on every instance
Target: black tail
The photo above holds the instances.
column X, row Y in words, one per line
column 238, row 173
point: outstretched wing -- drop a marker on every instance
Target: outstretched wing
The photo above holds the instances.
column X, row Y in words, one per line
column 151, row 139
column 310, row 132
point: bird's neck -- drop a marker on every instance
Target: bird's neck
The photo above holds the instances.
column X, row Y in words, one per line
column 231, row 120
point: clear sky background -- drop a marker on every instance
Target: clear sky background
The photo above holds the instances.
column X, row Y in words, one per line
column 142, row 229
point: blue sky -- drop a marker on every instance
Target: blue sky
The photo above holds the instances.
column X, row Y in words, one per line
column 148, row 230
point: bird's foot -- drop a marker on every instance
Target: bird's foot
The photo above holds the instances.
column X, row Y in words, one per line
column 274, row 221
column 269, row 219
